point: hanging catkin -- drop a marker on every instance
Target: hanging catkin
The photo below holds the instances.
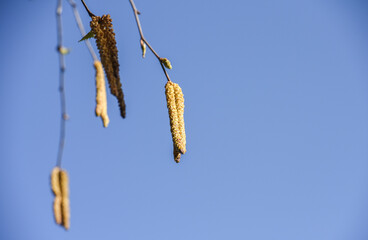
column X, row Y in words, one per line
column 101, row 102
column 60, row 187
column 55, row 186
column 105, row 39
column 175, row 106
column 65, row 205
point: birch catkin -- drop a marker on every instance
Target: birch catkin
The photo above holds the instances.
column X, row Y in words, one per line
column 105, row 40
column 55, row 186
column 65, row 206
column 101, row 102
column 175, row 106
column 179, row 101
column 60, row 187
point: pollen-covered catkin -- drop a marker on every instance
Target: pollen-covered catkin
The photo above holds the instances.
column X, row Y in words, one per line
column 65, row 205
column 175, row 106
column 179, row 100
column 101, row 102
column 105, row 40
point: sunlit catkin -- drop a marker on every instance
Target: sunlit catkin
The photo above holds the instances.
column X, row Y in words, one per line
column 65, row 205
column 55, row 181
column 55, row 186
column 101, row 102
column 105, row 40
column 57, row 210
column 175, row 106
column 179, row 100
column 60, row 187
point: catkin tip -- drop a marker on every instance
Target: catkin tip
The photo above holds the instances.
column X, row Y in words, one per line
column 177, row 154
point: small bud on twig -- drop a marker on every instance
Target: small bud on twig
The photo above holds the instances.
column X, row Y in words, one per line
column 166, row 63
column 144, row 48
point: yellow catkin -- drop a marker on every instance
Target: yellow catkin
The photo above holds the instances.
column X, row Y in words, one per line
column 55, row 184
column 175, row 106
column 57, row 209
column 60, row 187
column 101, row 102
column 179, row 100
column 65, row 206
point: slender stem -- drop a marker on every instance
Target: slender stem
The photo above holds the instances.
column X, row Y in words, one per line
column 64, row 115
column 89, row 12
column 136, row 13
column 81, row 29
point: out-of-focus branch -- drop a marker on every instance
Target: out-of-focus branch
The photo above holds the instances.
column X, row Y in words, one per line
column 81, row 29
column 136, row 13
column 62, row 51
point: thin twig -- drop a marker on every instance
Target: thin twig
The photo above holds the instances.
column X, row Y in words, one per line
column 136, row 13
column 89, row 12
column 81, row 29
column 64, row 115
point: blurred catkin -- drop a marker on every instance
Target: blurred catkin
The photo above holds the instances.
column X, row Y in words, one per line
column 175, row 106
column 105, row 40
column 60, row 187
column 101, row 102
column 55, row 186
column 65, row 206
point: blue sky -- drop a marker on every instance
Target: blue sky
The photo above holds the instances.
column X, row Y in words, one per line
column 276, row 117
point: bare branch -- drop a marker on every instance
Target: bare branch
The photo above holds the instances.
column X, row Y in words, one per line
column 136, row 13
column 61, row 50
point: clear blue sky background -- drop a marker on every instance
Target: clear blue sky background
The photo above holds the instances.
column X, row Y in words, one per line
column 276, row 115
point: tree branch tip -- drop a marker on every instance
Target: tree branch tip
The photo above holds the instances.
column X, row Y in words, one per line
column 88, row 11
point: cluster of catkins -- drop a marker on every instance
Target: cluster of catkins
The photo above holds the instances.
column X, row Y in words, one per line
column 105, row 40
column 102, row 30
column 60, row 188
